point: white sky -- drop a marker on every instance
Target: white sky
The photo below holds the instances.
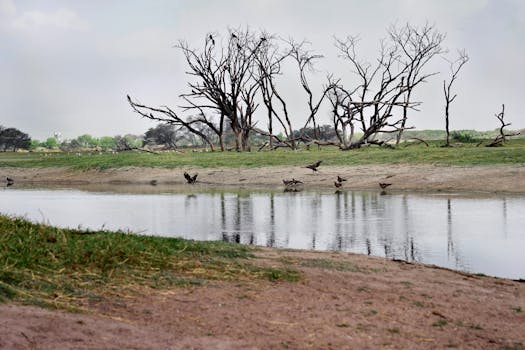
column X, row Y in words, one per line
column 67, row 65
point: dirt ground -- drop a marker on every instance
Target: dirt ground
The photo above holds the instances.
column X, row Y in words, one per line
column 501, row 178
column 344, row 301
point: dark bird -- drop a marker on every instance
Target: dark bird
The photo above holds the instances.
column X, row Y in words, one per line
column 10, row 181
column 337, row 184
column 212, row 40
column 340, row 179
column 153, row 182
column 314, row 166
column 292, row 182
column 234, row 36
column 263, row 39
column 190, row 179
column 287, row 182
column 384, row 185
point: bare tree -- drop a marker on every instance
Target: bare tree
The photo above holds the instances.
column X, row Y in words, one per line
column 305, row 60
column 455, row 67
column 417, row 46
column 369, row 105
column 223, row 88
column 269, row 62
column 226, row 82
column 167, row 115
column 502, row 137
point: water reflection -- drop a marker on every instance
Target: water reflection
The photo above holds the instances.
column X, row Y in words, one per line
column 474, row 233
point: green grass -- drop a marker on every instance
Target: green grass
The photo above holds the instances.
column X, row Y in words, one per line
column 49, row 266
column 468, row 154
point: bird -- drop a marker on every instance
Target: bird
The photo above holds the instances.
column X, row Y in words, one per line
column 337, row 184
column 314, row 166
column 212, row 41
column 153, row 182
column 287, row 182
column 9, row 180
column 190, row 179
column 340, row 179
column 384, row 185
column 292, row 182
column 234, row 36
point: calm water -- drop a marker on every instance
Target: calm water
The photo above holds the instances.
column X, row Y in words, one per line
column 476, row 233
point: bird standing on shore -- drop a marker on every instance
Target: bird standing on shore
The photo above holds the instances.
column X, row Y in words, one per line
column 340, row 179
column 338, row 184
column 384, row 185
column 10, row 181
column 292, row 182
column 314, row 166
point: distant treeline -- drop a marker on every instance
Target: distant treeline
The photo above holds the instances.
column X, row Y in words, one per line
column 168, row 136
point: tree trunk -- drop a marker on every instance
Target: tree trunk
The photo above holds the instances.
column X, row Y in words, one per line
column 447, row 125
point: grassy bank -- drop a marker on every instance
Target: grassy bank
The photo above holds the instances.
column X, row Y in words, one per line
column 65, row 268
column 466, row 154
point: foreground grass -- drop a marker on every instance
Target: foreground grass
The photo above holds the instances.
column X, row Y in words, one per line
column 65, row 268
column 466, row 154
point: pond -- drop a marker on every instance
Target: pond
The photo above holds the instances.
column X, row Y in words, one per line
column 477, row 233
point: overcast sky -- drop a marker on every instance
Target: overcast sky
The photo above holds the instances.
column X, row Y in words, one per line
column 67, row 65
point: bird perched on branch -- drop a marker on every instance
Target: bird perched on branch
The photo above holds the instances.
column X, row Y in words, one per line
column 340, row 179
column 384, row 185
column 190, row 179
column 212, row 40
column 314, row 166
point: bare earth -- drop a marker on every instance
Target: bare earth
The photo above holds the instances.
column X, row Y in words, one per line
column 501, row 178
column 344, row 301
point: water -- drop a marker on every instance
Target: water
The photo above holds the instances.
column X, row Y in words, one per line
column 475, row 233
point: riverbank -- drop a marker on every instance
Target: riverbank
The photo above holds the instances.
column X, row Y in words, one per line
column 341, row 300
column 404, row 177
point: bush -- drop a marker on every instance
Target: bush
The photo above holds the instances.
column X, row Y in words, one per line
column 462, row 136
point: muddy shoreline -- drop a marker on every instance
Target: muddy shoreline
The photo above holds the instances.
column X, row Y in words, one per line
column 501, row 178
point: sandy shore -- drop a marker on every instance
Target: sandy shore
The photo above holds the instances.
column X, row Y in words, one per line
column 501, row 178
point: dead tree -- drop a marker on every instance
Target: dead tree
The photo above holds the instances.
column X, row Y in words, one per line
column 166, row 115
column 416, row 46
column 223, row 88
column 455, row 67
column 501, row 138
column 269, row 61
column 369, row 105
column 225, row 80
column 305, row 60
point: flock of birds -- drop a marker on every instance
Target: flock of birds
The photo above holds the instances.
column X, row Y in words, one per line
column 290, row 185
column 293, row 184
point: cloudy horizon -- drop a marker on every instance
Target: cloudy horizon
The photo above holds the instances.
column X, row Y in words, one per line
column 67, row 66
